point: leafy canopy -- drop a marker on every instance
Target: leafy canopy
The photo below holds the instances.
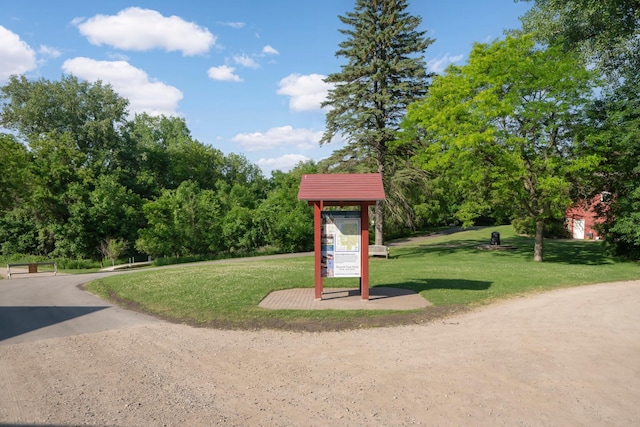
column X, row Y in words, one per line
column 504, row 126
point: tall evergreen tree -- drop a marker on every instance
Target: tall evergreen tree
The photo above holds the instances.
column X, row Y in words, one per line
column 385, row 72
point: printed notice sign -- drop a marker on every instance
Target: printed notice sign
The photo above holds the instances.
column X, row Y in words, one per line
column 341, row 244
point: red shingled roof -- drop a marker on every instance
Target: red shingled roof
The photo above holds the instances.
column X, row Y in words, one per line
column 352, row 187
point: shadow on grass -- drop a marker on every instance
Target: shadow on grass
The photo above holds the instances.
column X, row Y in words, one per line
column 419, row 285
column 449, row 247
column 577, row 252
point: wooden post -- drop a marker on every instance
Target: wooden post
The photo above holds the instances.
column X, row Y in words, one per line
column 364, row 251
column 317, row 247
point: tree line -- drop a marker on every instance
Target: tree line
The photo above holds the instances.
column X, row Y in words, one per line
column 531, row 123
column 79, row 177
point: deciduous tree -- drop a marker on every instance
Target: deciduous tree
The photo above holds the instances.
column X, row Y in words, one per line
column 16, row 178
column 605, row 32
column 284, row 221
column 504, row 124
column 181, row 222
column 616, row 138
column 607, row 35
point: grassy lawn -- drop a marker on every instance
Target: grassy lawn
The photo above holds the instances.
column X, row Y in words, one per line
column 449, row 271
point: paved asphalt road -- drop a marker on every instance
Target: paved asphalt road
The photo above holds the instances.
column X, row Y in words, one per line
column 51, row 307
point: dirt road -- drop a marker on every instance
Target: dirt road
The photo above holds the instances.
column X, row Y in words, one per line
column 568, row 357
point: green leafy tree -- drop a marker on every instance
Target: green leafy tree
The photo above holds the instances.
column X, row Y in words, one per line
column 284, row 221
column 16, row 178
column 72, row 131
column 115, row 212
column 505, row 125
column 91, row 114
column 161, row 237
column 607, row 35
column 77, row 173
column 385, row 72
column 239, row 202
column 240, row 231
column 236, row 169
column 181, row 222
column 606, row 32
column 19, row 233
column 617, row 140
column 112, row 249
column 166, row 155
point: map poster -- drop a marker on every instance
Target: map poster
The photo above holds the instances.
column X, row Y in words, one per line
column 340, row 244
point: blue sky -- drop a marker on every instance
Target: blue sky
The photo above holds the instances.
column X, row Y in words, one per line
column 246, row 75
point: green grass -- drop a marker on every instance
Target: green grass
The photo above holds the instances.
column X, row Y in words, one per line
column 449, row 271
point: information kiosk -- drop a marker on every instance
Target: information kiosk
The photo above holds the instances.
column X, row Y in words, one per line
column 341, row 238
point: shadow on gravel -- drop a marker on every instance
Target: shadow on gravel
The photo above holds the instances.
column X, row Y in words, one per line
column 16, row 321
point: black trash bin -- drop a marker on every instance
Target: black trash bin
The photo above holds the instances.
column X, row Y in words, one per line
column 495, row 238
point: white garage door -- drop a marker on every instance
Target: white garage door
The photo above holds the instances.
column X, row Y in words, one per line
column 578, row 228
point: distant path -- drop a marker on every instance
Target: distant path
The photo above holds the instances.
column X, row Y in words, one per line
column 40, row 306
column 445, row 232
column 37, row 307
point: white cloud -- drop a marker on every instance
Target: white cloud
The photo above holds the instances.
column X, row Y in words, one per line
column 284, row 163
column 284, row 136
column 139, row 29
column 236, row 25
column 49, row 52
column 268, row 50
column 306, row 92
column 144, row 94
column 245, row 61
column 117, row 56
column 223, row 73
column 438, row 65
column 16, row 56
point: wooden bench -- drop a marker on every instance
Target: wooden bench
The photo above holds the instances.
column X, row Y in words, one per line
column 32, row 268
column 379, row 250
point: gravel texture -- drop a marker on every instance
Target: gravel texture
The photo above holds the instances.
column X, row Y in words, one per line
column 567, row 357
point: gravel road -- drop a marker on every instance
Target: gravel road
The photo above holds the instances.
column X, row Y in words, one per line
column 567, row 357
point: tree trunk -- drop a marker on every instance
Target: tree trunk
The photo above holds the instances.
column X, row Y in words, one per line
column 379, row 225
column 539, row 240
column 379, row 222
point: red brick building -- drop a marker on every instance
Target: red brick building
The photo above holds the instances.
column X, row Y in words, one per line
column 584, row 216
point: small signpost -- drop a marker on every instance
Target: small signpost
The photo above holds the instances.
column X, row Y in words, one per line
column 341, row 238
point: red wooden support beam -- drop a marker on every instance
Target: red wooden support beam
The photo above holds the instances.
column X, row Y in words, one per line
column 317, row 246
column 364, row 251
